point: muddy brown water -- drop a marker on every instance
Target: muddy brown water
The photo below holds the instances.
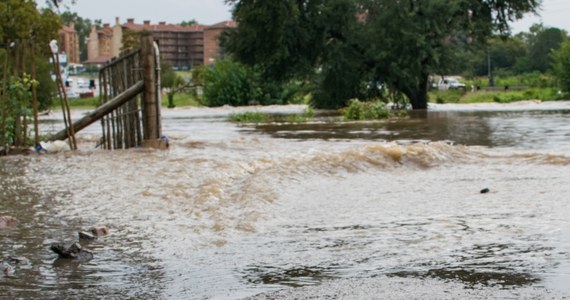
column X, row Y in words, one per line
column 325, row 210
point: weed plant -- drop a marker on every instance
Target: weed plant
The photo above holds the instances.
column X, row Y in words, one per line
column 250, row 117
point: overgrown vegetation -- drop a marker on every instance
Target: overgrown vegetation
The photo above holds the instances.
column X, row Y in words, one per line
column 359, row 110
column 356, row 111
column 369, row 110
column 25, row 83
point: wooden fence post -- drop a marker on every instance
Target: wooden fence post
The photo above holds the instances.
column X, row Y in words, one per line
column 151, row 109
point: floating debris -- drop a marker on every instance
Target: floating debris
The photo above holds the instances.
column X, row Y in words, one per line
column 75, row 252
column 84, row 235
column 18, row 260
column 7, row 221
column 98, row 231
column 6, row 269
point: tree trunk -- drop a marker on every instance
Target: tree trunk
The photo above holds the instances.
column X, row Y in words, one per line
column 419, row 97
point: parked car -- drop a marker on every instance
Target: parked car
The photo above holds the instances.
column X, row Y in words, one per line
column 450, row 84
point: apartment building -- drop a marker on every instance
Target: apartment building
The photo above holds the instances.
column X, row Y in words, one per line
column 212, row 49
column 104, row 44
column 69, row 43
column 182, row 47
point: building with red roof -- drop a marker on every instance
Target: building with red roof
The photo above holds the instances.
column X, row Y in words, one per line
column 212, row 49
column 182, row 47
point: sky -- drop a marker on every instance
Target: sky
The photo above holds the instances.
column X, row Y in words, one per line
column 554, row 13
column 206, row 12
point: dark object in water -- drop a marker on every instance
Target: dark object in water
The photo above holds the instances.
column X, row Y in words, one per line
column 485, row 191
column 93, row 233
column 75, row 251
column 83, row 235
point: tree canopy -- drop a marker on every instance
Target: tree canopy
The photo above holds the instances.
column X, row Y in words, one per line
column 561, row 65
column 541, row 43
column 189, row 22
column 348, row 47
column 25, row 33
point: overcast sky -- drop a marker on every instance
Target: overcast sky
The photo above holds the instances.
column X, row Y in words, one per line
column 206, row 12
column 555, row 13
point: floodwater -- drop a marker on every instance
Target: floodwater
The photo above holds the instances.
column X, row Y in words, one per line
column 361, row 210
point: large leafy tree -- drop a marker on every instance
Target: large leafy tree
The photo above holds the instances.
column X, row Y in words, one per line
column 284, row 37
column 541, row 42
column 352, row 43
column 507, row 54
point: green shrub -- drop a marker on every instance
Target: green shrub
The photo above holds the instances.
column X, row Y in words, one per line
column 371, row 110
column 230, row 83
column 249, row 117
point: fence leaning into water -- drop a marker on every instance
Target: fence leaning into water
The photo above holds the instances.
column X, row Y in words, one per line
column 130, row 100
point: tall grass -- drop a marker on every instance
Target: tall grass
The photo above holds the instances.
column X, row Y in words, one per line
column 530, row 80
column 543, row 94
column 182, row 99
column 91, row 102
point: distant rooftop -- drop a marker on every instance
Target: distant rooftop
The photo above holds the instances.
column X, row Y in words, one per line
column 163, row 26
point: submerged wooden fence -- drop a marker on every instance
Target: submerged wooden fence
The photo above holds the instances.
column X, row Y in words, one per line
column 122, row 128
column 130, row 100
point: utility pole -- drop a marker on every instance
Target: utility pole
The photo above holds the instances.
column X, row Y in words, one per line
column 490, row 69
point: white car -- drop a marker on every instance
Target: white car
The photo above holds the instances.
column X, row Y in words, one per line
column 450, row 84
